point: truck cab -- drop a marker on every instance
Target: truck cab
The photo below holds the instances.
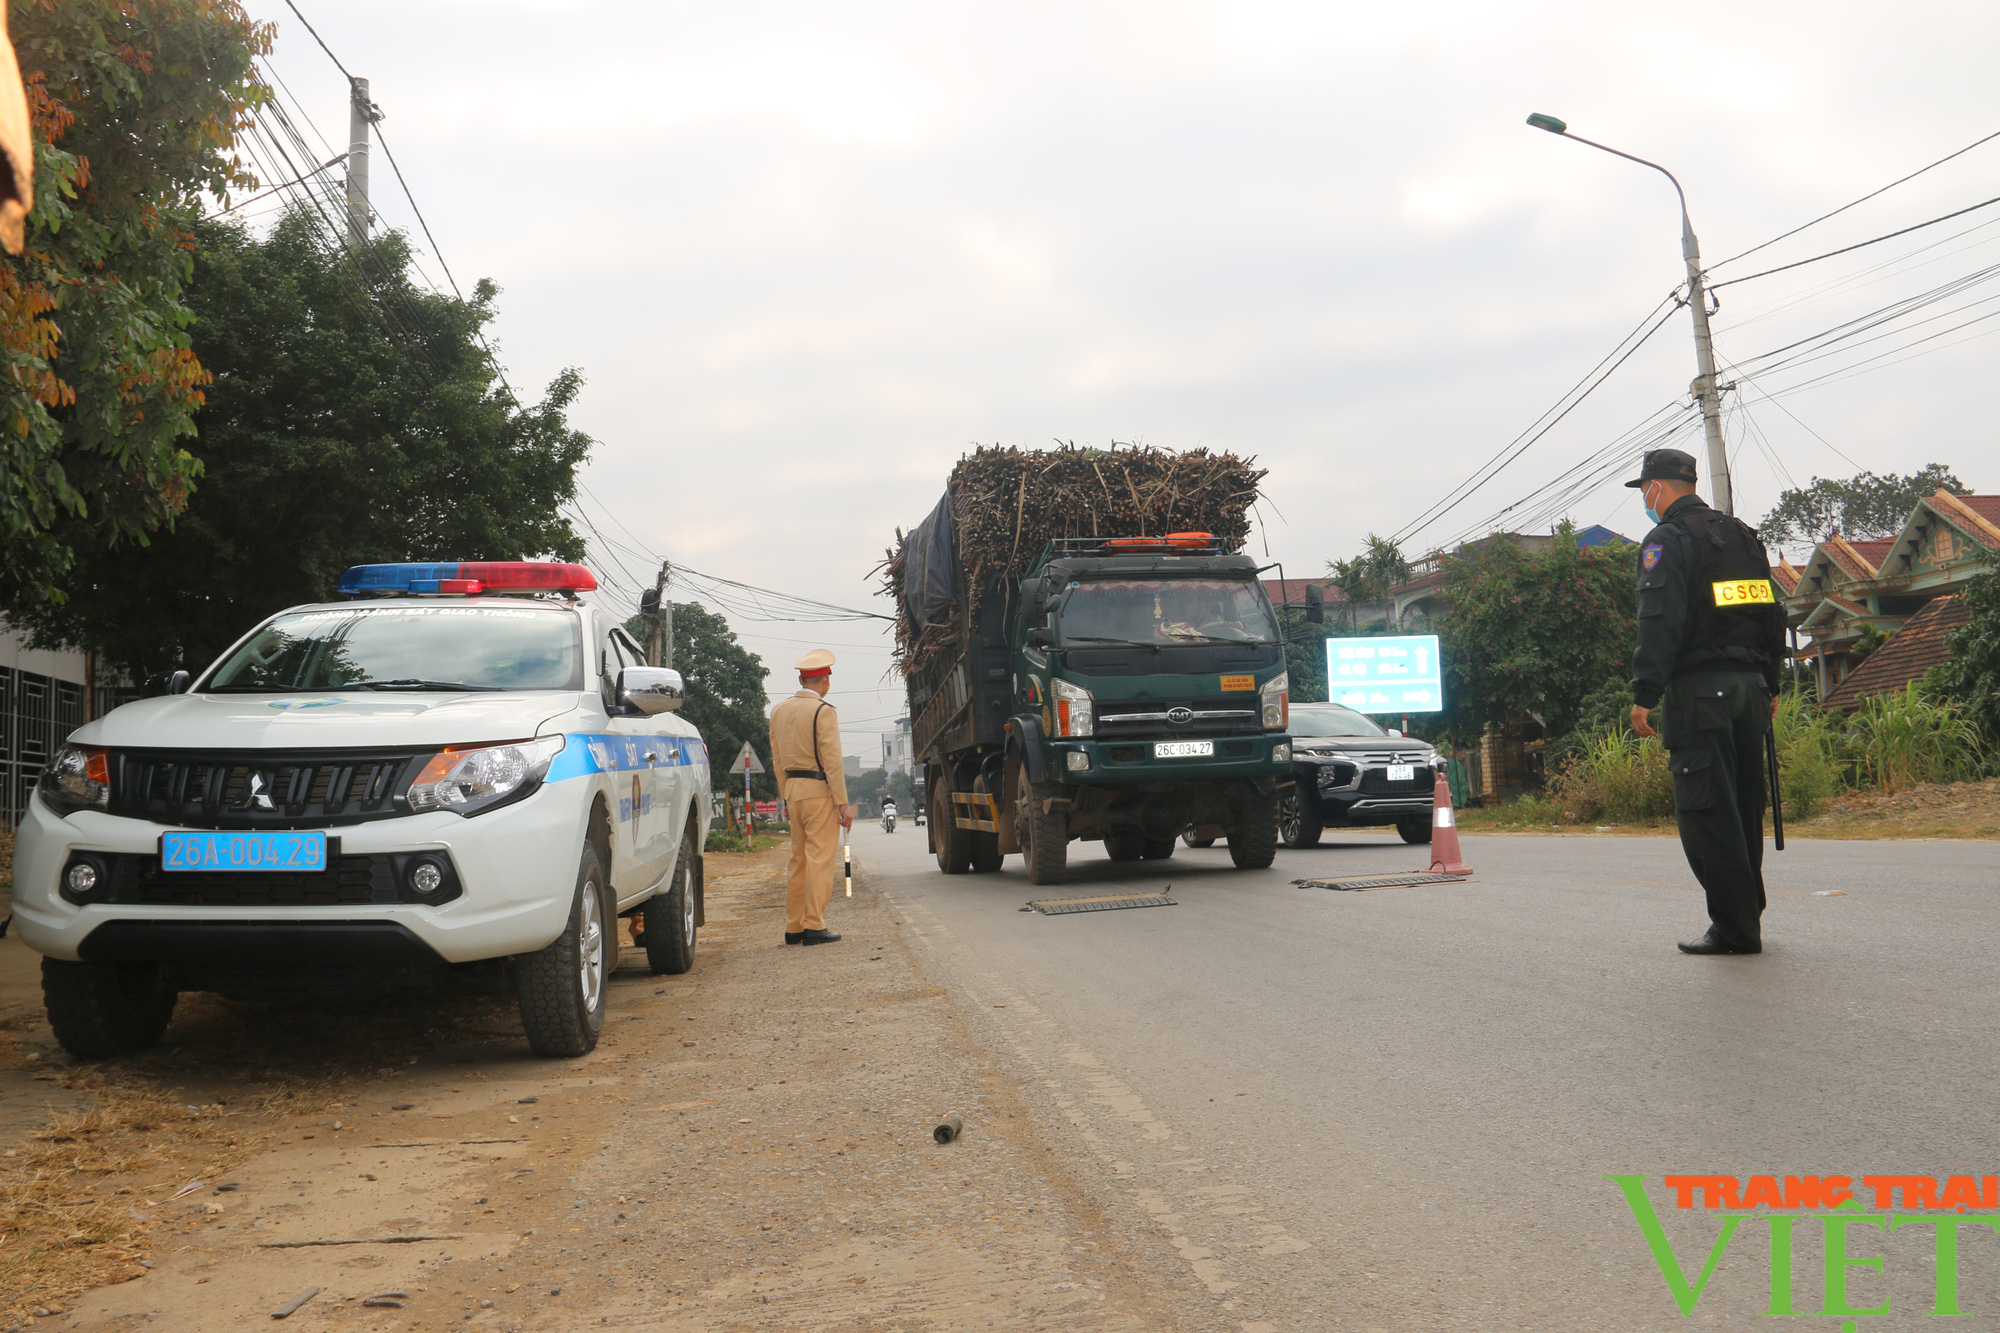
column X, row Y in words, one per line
column 1145, row 695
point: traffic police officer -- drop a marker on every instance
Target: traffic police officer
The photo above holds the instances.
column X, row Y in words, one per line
column 1711, row 636
column 805, row 734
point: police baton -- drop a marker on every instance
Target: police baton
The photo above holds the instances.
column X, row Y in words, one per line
column 1777, row 796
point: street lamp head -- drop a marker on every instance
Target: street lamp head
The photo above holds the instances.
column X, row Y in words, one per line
column 1549, row 123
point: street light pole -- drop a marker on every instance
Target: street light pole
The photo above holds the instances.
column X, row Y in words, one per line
column 1704, row 387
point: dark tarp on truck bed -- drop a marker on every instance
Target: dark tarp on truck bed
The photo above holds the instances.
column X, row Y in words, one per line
column 928, row 567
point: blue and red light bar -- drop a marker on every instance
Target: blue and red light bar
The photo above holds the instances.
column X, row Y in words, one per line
column 468, row 576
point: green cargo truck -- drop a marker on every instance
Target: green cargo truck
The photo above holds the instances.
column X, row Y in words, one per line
column 1127, row 690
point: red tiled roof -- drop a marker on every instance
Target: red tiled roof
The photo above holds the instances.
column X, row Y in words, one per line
column 1292, row 592
column 1905, row 655
column 1976, row 514
column 1986, row 506
column 1874, row 552
column 1786, row 575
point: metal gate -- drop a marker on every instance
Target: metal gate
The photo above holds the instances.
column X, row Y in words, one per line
column 37, row 714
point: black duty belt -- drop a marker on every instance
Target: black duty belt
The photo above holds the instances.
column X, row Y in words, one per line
column 806, row 773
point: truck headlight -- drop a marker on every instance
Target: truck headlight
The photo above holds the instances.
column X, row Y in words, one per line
column 1277, row 699
column 466, row 779
column 77, row 778
column 1072, row 708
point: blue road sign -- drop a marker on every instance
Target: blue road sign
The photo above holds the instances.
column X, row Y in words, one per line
column 1386, row 675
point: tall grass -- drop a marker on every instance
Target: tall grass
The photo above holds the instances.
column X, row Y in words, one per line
column 1904, row 739
column 1618, row 777
column 1814, row 754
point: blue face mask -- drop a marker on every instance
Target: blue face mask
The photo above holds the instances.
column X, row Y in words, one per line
column 1650, row 514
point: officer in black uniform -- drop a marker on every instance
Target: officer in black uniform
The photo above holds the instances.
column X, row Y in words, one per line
column 1711, row 636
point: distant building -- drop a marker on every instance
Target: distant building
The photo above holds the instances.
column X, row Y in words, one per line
column 898, row 754
column 850, row 764
column 44, row 696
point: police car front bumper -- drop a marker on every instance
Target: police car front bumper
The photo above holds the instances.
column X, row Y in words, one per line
column 515, row 871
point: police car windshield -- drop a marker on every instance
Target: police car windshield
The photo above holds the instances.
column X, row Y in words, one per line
column 1334, row 721
column 1166, row 611
column 408, row 648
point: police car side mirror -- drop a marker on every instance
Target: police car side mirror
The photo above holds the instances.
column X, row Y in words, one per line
column 1040, row 638
column 649, row 690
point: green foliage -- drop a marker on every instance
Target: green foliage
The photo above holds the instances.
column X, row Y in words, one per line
column 134, row 107
column 1869, row 639
column 328, row 442
column 1305, row 655
column 1864, row 507
column 725, row 692
column 1365, row 579
column 1606, row 710
column 867, row 788
column 1970, row 678
column 1813, row 754
column 1620, row 778
column 1904, row 737
column 1532, row 634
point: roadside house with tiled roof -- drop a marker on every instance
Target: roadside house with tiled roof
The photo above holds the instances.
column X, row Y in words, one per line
column 1845, row 587
column 1906, row 656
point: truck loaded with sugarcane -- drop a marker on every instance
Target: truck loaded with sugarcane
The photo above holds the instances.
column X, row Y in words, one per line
column 1089, row 656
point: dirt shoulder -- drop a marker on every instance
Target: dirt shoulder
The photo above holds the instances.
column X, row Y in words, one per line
column 1963, row 810
column 749, row 1146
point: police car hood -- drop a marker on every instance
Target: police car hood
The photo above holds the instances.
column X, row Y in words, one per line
column 343, row 720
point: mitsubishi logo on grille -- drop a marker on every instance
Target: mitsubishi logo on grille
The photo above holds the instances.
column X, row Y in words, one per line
column 1180, row 717
column 257, row 792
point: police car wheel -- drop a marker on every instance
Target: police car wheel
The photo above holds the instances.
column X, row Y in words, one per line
column 563, row 987
column 104, row 1009
column 669, row 917
column 1414, row 830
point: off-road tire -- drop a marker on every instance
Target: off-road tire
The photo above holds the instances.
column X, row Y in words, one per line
column 952, row 844
column 100, row 1010
column 1044, row 834
column 1299, row 823
column 1414, row 830
column 1158, row 849
column 669, row 917
column 562, row 1020
column 1191, row 840
column 1253, row 839
column 1125, row 846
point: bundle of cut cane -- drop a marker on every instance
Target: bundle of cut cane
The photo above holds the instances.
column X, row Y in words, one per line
column 1008, row 504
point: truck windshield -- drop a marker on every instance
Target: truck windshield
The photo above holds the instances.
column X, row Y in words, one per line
column 1331, row 721
column 407, row 648
column 1164, row 611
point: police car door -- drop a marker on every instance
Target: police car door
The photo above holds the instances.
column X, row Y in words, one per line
column 642, row 845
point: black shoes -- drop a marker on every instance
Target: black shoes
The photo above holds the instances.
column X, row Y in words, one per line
column 1714, row 943
column 795, row 937
column 817, row 937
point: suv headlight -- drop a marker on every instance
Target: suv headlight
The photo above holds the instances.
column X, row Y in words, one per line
column 1277, row 699
column 77, row 778
column 468, row 779
column 1073, row 714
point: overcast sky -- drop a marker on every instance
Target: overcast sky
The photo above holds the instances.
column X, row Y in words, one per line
column 806, row 255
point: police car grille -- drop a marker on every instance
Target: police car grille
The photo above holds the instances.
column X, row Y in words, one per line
column 347, row 881
column 1375, row 782
column 261, row 790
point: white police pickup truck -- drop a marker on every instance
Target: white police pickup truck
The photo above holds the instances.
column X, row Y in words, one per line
column 459, row 778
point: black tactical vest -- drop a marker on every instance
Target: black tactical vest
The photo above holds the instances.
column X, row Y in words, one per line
column 1732, row 600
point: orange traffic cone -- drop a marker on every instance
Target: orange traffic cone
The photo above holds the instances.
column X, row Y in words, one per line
column 1444, row 834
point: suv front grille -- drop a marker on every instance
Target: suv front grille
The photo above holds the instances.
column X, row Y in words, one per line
column 261, row 789
column 1375, row 782
column 348, row 881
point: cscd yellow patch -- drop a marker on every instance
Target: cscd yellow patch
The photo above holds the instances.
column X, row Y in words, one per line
column 1743, row 592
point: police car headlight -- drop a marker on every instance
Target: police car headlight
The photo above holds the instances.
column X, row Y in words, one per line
column 77, row 778
column 468, row 779
column 1277, row 702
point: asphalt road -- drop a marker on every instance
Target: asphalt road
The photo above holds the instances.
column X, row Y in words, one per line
column 1396, row 1109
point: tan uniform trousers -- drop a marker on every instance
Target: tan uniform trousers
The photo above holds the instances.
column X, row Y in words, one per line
column 815, row 854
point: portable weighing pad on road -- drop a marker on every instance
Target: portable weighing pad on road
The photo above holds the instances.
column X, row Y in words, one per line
column 1108, row 903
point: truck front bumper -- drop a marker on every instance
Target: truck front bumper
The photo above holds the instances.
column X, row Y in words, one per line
column 1122, row 762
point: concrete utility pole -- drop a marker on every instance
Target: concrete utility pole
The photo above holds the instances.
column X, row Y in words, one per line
column 1704, row 386
column 661, row 650
column 361, row 113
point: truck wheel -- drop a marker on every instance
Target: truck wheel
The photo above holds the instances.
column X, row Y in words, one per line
column 1159, row 849
column 1253, row 841
column 105, row 1009
column 986, row 854
column 1045, row 846
column 952, row 843
column 1124, row 846
column 1414, row 830
column 563, row 987
column 669, row 917
column 1298, row 822
column 1194, row 840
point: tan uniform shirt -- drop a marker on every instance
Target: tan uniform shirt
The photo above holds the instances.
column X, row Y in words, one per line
column 794, row 723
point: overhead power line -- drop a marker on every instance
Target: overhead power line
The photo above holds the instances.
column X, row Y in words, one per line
column 1859, row 245
column 321, row 40
column 1862, row 200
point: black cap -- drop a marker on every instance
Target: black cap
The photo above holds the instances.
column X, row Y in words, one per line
column 1665, row 465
